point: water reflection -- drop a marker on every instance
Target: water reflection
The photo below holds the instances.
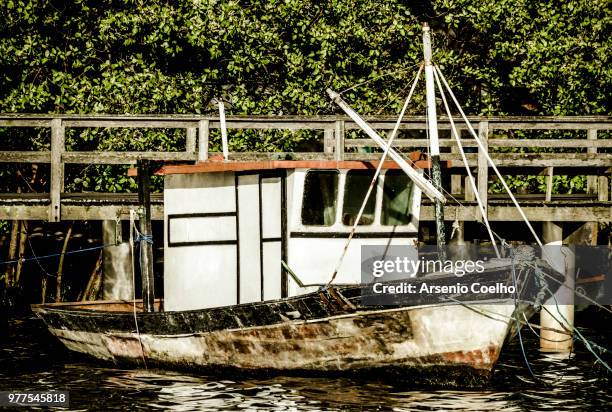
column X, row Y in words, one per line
column 30, row 361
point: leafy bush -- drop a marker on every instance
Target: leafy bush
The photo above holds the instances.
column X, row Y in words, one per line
column 278, row 57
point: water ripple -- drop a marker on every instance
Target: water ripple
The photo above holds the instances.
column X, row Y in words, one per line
column 36, row 362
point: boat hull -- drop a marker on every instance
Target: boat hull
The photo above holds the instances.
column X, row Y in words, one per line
column 330, row 331
column 446, row 345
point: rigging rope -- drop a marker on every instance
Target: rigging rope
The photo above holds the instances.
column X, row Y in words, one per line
column 486, row 154
column 467, row 166
column 376, row 174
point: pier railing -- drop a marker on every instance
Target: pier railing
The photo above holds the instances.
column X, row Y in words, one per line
column 588, row 155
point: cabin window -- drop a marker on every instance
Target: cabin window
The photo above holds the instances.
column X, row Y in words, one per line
column 320, row 194
column 355, row 189
column 397, row 199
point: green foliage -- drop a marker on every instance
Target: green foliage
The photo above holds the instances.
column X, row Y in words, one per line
column 278, row 57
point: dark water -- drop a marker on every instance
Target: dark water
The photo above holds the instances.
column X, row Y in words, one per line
column 31, row 360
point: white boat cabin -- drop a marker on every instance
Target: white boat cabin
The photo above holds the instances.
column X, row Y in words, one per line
column 229, row 226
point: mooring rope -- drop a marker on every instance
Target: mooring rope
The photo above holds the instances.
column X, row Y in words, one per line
column 516, row 305
column 570, row 330
column 565, row 324
column 69, row 252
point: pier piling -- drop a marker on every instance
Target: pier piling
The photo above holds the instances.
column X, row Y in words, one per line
column 558, row 312
column 117, row 263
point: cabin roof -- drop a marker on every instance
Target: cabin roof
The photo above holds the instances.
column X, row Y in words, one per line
column 214, row 165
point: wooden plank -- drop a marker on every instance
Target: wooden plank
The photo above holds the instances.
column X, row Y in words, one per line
column 534, row 213
column 406, row 142
column 25, row 157
column 57, row 169
column 552, row 159
column 483, row 165
column 507, row 160
column 204, row 132
column 549, row 143
column 24, row 212
column 406, row 125
column 599, row 213
column 272, row 124
column 24, row 123
column 123, row 158
column 244, row 156
column 190, row 143
column 339, row 136
column 104, row 212
column 221, row 166
column 132, row 123
column 553, row 143
column 557, row 211
column 543, row 125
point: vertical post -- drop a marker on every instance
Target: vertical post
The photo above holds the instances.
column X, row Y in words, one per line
column 328, row 140
column 434, row 149
column 470, row 196
column 591, row 180
column 549, row 183
column 146, row 239
column 190, row 146
column 223, row 126
column 57, row 169
column 558, row 314
column 9, row 274
column 204, row 130
column 483, row 166
column 339, row 136
column 602, row 189
column 116, row 263
column 456, row 180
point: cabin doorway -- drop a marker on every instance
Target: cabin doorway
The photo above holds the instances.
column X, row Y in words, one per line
column 225, row 239
column 262, row 240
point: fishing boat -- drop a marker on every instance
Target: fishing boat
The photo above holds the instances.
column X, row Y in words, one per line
column 263, row 271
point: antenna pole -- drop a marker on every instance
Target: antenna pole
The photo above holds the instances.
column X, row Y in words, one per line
column 436, row 174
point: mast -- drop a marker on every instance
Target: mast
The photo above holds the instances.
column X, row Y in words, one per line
column 434, row 146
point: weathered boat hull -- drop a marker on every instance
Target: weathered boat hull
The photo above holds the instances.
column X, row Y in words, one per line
column 446, row 345
column 329, row 331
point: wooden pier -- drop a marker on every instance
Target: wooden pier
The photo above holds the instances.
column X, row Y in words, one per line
column 588, row 154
